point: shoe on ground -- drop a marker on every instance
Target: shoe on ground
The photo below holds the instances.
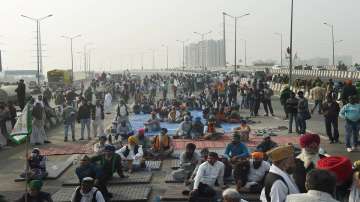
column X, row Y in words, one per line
column 47, row 142
column 186, row 192
column 81, row 138
column 349, row 150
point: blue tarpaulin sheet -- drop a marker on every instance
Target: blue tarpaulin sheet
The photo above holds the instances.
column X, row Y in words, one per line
column 137, row 122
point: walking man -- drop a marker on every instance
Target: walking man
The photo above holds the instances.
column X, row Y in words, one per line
column 351, row 113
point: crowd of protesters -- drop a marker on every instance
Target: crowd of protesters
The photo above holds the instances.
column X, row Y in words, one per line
column 276, row 173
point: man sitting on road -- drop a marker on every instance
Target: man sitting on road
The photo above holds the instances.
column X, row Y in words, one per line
column 184, row 129
column 188, row 162
column 37, row 166
column 153, row 124
column 257, row 171
column 87, row 169
column 162, row 145
column 320, row 185
column 278, row 182
column 132, row 154
column 109, row 163
column 209, row 172
column 236, row 149
column 144, row 141
column 35, row 193
column 87, row 192
column 266, row 145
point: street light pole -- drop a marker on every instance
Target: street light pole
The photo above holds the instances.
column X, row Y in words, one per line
column 333, row 41
column 72, row 54
column 235, row 18
column 183, row 50
column 202, row 35
column 167, row 55
column 38, row 43
column 85, row 59
column 281, row 47
column 291, row 43
column 224, row 36
column 245, row 52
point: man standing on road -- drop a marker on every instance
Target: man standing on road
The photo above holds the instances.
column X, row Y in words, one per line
column 351, row 113
column 97, row 116
column 331, row 111
column 318, row 94
column 291, row 109
column 20, row 91
column 84, row 114
column 268, row 93
column 284, row 96
column 303, row 113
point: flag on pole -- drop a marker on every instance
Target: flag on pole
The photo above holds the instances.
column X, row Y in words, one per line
column 23, row 126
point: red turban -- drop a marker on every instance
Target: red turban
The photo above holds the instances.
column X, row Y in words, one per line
column 308, row 138
column 141, row 131
column 339, row 165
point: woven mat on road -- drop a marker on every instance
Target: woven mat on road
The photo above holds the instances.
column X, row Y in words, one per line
column 69, row 148
column 134, row 178
column 129, row 193
column 170, row 179
column 153, row 165
column 180, row 144
column 174, row 193
column 175, row 164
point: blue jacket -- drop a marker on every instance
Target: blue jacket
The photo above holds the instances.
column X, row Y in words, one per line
column 350, row 112
column 89, row 170
column 239, row 150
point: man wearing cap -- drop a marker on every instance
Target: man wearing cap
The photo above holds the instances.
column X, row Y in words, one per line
column 109, row 163
column 87, row 192
column 153, row 124
column 258, row 170
column 266, row 145
column 278, row 182
column 132, row 154
column 35, row 193
column 162, row 145
column 87, row 169
column 236, row 149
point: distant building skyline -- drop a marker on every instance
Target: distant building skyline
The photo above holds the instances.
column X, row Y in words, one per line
column 207, row 53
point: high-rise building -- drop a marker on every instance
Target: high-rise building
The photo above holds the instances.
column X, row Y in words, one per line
column 208, row 53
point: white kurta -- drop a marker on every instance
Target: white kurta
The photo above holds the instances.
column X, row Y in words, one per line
column 107, row 103
column 208, row 174
column 279, row 190
column 131, row 156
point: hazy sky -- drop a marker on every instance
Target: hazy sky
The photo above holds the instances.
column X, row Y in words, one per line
column 121, row 30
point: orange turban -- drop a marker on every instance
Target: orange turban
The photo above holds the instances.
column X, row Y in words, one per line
column 257, row 155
